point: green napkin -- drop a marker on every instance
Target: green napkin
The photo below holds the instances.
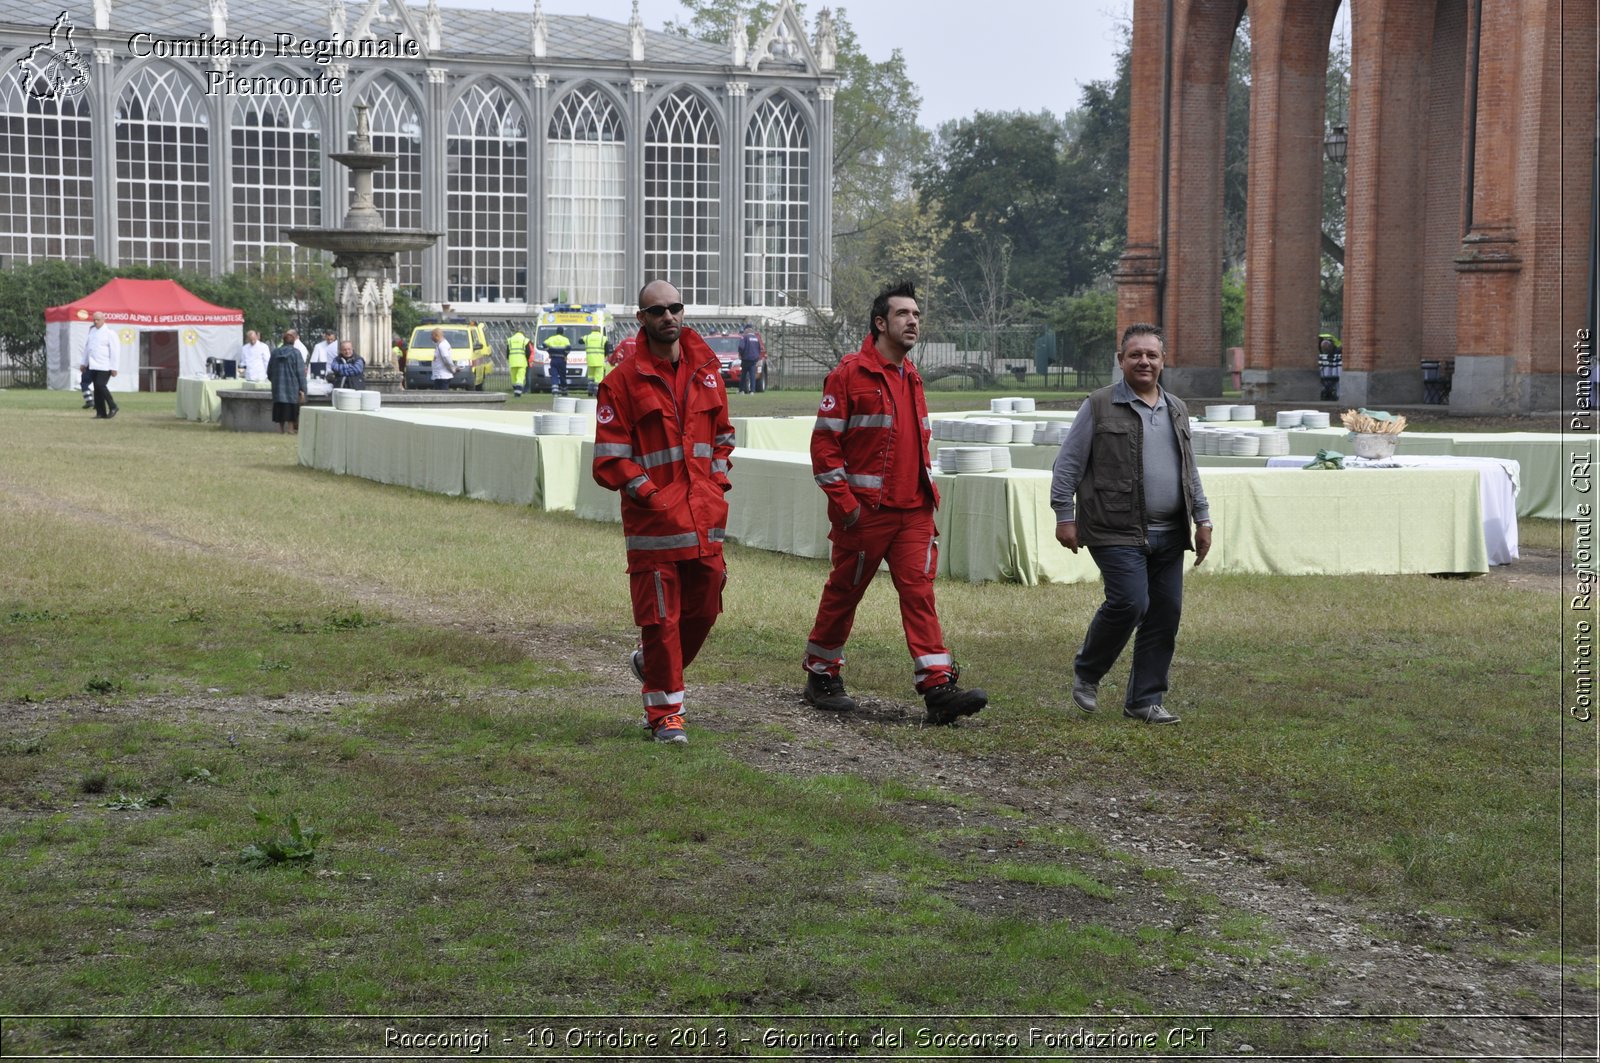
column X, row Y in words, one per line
column 1326, row 459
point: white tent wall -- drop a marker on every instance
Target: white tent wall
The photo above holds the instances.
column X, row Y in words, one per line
column 64, row 342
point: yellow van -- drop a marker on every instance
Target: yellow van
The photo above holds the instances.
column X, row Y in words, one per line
column 469, row 349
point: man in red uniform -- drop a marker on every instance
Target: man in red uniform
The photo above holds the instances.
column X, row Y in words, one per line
column 663, row 440
column 869, row 452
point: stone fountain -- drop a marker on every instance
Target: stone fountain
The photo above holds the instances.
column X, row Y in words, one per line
column 364, row 251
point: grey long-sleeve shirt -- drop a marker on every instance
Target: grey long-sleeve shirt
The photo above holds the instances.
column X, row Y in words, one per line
column 1163, row 493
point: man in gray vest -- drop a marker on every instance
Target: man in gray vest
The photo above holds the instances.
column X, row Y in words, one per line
column 1126, row 486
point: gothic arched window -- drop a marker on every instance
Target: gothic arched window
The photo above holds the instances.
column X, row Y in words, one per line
column 163, row 172
column 585, row 200
column 487, row 185
column 277, row 178
column 683, row 197
column 46, row 176
column 777, row 182
column 397, row 188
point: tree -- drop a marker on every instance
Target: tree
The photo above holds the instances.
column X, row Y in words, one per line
column 1331, row 301
column 996, row 180
column 26, row 292
column 877, row 143
column 1236, row 150
column 1095, row 173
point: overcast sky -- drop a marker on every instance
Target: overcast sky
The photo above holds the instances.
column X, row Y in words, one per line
column 996, row 55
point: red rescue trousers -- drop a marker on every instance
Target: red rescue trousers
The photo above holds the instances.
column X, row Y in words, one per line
column 908, row 540
column 675, row 603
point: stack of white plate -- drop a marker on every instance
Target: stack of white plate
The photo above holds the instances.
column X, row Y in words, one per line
column 1001, row 405
column 1024, row 405
column 999, row 458
column 945, row 459
column 1243, row 413
column 564, row 404
column 552, row 424
column 1205, row 441
column 1245, row 445
column 1314, row 418
column 997, row 432
column 1022, row 431
column 1290, row 418
column 346, row 399
column 371, row 400
column 578, row 424
column 1054, row 433
column 586, row 405
column 974, row 459
column 1219, row 413
column 1274, row 443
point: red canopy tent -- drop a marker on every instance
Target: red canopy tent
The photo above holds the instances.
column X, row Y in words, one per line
column 166, row 331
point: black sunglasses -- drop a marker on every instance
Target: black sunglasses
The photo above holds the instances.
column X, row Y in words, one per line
column 656, row 311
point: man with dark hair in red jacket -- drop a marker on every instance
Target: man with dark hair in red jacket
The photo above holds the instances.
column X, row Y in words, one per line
column 663, row 440
column 869, row 452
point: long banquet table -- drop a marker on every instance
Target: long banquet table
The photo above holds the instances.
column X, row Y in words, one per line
column 1497, row 491
column 489, row 455
column 196, row 397
column 993, row 526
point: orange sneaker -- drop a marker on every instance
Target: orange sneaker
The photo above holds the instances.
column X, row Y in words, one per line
column 670, row 729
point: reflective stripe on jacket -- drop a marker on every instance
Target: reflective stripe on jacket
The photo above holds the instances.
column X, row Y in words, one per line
column 669, row 464
column 856, row 430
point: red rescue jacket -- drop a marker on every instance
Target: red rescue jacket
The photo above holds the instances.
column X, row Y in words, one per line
column 856, row 431
column 670, row 464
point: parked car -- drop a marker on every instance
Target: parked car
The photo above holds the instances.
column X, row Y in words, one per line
column 469, row 349
column 726, row 346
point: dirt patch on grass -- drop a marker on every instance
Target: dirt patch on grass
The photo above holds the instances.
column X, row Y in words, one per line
column 1325, row 955
column 1265, row 944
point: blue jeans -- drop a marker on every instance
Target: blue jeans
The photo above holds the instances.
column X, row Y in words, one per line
column 1144, row 590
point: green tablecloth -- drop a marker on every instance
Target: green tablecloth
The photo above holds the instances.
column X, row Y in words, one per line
column 1545, row 459
column 196, row 397
column 1308, row 441
column 490, row 455
column 1229, row 461
column 595, row 502
column 1291, row 522
column 774, row 433
column 1283, row 522
column 1548, row 462
column 993, row 526
column 1023, row 455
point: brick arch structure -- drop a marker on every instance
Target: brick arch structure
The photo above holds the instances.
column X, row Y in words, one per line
column 1468, row 191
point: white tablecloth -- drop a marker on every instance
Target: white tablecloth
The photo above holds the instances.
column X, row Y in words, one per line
column 1499, row 480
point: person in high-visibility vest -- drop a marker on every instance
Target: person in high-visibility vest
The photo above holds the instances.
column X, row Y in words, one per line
column 594, row 356
column 556, row 346
column 517, row 358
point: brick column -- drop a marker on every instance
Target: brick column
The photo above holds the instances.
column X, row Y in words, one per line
column 1138, row 272
column 1384, row 234
column 1192, row 314
column 1289, row 64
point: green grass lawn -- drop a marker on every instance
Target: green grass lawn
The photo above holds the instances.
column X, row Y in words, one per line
column 202, row 639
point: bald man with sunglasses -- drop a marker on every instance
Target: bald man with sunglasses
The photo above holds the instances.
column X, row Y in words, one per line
column 663, row 441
